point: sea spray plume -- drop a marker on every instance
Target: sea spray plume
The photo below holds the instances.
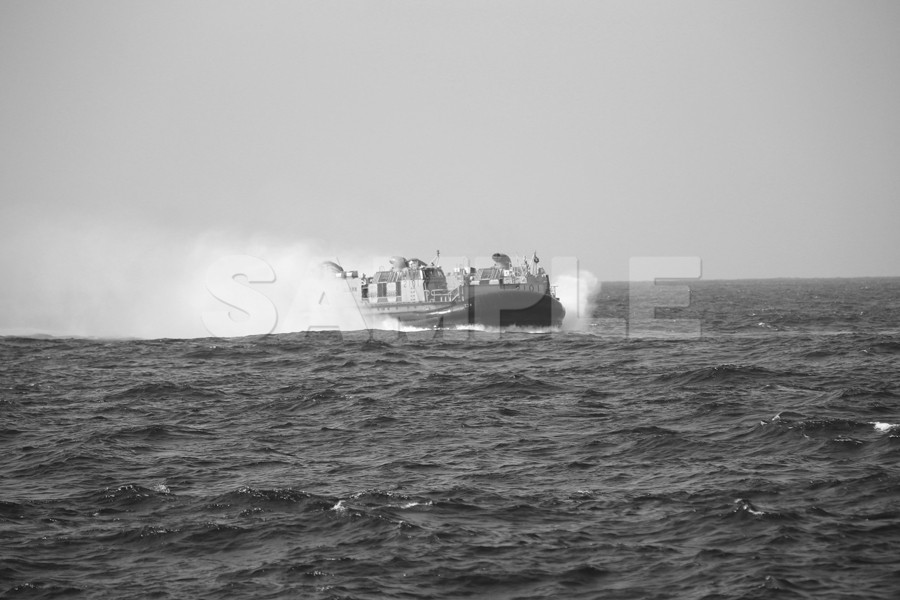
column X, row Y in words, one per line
column 576, row 289
column 145, row 283
column 300, row 295
column 108, row 280
column 245, row 310
column 325, row 299
column 325, row 292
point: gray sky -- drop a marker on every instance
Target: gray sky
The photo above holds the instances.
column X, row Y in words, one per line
column 763, row 137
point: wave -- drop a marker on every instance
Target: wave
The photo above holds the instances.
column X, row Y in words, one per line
column 155, row 432
column 11, row 510
column 884, row 348
column 719, row 374
column 832, row 434
column 164, row 390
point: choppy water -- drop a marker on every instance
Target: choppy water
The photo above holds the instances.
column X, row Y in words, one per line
column 760, row 460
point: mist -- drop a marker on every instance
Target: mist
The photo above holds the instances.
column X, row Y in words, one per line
column 87, row 280
column 575, row 288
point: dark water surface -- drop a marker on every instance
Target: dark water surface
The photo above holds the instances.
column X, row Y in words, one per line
column 759, row 460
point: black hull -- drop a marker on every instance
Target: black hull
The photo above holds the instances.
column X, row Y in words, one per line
column 494, row 309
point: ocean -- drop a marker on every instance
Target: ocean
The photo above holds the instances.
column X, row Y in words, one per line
column 759, row 458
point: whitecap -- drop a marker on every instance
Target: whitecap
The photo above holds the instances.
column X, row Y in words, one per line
column 882, row 426
column 746, row 506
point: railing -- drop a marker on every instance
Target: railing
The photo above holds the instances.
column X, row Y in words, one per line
column 441, row 295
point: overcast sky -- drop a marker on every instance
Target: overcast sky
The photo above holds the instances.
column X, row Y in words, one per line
column 139, row 140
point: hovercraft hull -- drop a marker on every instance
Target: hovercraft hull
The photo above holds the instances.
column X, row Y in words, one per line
column 498, row 310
